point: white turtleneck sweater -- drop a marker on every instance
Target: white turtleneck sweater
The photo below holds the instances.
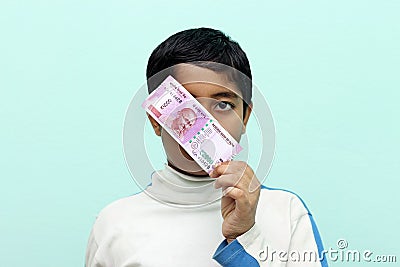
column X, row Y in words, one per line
column 176, row 221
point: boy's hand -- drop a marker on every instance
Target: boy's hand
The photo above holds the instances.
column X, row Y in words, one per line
column 240, row 197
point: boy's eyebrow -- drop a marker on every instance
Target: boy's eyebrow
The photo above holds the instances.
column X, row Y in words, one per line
column 227, row 94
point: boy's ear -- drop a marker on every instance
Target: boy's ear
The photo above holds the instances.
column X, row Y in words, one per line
column 155, row 124
column 246, row 117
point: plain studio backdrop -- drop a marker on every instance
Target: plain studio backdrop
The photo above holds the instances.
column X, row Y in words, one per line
column 68, row 70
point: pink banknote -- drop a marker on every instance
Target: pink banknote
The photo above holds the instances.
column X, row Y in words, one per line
column 190, row 124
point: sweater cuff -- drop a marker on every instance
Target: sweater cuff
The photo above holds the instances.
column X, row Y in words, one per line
column 233, row 254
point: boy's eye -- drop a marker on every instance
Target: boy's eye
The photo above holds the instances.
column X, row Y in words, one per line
column 224, row 106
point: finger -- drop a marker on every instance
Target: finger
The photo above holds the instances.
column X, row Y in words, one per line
column 218, row 169
column 233, row 180
column 248, row 182
column 254, row 184
column 242, row 202
column 237, row 180
column 228, row 167
column 227, row 180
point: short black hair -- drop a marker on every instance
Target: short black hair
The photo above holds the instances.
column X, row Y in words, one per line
column 201, row 45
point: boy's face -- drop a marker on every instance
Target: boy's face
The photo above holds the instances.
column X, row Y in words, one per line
column 219, row 96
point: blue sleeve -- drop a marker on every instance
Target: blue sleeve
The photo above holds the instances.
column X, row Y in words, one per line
column 233, row 255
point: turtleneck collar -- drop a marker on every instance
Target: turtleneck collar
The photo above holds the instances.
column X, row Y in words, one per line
column 193, row 178
column 175, row 188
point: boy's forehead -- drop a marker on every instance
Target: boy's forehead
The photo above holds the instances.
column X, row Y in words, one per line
column 216, row 82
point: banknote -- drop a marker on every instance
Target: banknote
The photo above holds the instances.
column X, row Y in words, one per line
column 190, row 124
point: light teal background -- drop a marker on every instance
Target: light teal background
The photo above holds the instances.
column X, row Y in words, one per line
column 68, row 69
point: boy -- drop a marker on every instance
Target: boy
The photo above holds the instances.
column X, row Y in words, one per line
column 259, row 226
